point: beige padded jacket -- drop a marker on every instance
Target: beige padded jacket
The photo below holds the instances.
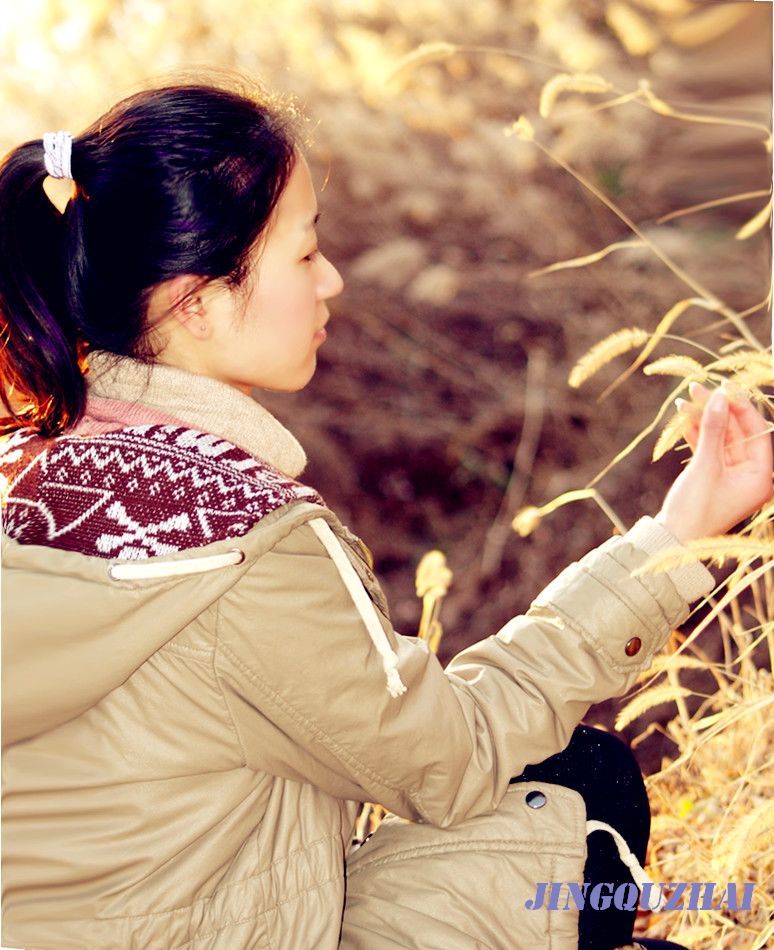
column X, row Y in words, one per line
column 186, row 740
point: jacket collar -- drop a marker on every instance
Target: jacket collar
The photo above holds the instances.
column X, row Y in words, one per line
column 199, row 401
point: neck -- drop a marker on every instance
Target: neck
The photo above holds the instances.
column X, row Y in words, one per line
column 200, row 402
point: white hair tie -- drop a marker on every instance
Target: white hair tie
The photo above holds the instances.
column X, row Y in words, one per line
column 57, row 151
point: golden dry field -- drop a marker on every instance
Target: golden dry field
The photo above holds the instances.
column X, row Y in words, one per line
column 551, row 217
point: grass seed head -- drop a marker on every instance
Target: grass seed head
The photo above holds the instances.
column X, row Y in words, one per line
column 675, row 365
column 670, row 436
column 569, row 82
column 622, row 341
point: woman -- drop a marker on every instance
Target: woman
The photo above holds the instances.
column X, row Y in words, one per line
column 201, row 681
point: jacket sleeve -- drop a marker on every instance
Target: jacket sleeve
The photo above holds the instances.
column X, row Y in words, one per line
column 306, row 690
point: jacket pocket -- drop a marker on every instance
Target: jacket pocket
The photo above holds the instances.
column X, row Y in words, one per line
column 472, row 886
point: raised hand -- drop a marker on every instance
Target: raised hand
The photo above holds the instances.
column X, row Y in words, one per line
column 730, row 474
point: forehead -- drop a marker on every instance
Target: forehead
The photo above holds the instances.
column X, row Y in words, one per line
column 297, row 205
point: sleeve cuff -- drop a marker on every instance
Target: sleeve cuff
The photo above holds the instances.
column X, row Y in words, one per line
column 692, row 581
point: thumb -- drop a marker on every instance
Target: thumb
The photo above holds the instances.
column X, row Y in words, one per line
column 712, row 431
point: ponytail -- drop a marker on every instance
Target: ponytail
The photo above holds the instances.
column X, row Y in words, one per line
column 181, row 179
column 40, row 377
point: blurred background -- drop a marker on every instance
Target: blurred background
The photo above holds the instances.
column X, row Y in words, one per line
column 441, row 403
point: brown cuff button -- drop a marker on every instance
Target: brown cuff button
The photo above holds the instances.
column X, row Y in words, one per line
column 633, row 646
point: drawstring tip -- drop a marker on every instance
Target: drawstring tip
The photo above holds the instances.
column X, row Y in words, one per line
column 363, row 603
column 395, row 685
column 655, row 896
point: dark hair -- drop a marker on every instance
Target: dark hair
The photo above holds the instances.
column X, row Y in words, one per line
column 180, row 179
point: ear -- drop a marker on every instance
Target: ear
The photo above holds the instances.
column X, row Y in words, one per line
column 180, row 298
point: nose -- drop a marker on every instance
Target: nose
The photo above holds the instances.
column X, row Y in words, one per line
column 331, row 283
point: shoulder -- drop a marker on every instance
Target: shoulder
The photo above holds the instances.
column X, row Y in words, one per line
column 305, row 548
column 138, row 492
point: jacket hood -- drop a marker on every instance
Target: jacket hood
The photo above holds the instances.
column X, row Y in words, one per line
column 72, row 632
column 70, row 636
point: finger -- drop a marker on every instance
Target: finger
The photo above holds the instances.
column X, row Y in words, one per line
column 750, row 421
column 710, row 449
column 689, row 410
column 736, row 449
column 691, row 435
column 690, row 414
column 753, row 429
column 700, row 394
column 741, row 411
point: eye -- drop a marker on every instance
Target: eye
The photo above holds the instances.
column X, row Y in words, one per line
column 312, row 255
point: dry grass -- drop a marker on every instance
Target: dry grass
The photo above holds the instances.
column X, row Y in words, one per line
column 713, row 805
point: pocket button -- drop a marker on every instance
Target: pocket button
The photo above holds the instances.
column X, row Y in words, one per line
column 536, row 799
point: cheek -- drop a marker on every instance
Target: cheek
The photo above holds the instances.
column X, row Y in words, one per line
column 291, row 293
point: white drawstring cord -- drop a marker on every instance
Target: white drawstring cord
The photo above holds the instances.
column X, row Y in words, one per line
column 639, row 876
column 142, row 569
column 363, row 603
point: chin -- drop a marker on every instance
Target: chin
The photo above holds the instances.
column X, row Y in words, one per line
column 289, row 386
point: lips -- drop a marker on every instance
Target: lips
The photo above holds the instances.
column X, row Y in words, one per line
column 322, row 333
